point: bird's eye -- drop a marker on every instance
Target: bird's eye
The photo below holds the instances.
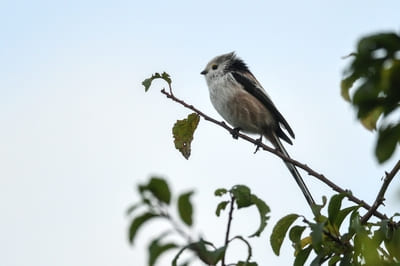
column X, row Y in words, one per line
column 214, row 67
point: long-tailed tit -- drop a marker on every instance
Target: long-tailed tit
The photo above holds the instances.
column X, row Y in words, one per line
column 241, row 100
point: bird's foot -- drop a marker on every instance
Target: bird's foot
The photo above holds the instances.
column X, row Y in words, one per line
column 235, row 132
column 258, row 144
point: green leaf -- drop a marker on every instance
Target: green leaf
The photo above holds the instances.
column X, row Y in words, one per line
column 302, row 256
column 316, row 209
column 221, row 206
column 334, row 207
column 355, row 223
column 388, row 140
column 137, row 223
column 147, row 82
column 295, row 233
column 156, row 249
column 280, row 230
column 332, row 261
column 393, row 244
column 317, row 261
column 342, row 215
column 165, row 76
column 242, row 196
column 208, row 257
column 159, row 188
column 316, row 235
column 346, row 85
column 369, row 121
column 263, row 210
column 183, row 131
column 219, row 192
column 185, row 208
column 175, row 259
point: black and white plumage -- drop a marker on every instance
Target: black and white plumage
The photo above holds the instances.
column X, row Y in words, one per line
column 241, row 100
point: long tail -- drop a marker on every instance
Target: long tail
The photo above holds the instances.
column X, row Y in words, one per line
column 294, row 172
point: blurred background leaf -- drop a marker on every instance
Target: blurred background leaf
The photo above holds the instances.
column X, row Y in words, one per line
column 372, row 85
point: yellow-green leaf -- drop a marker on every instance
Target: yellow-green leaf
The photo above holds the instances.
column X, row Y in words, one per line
column 369, row 121
column 280, row 230
column 183, row 131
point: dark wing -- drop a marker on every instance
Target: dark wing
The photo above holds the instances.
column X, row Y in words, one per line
column 250, row 84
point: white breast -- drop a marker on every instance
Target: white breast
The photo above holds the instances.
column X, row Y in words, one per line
column 222, row 89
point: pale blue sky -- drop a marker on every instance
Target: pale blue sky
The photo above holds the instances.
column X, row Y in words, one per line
column 78, row 131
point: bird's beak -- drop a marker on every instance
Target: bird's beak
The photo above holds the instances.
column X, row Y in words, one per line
column 203, row 72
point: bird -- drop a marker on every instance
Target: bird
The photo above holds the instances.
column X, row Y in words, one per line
column 241, row 100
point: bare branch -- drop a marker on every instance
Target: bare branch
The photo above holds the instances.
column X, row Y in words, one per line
column 380, row 198
column 310, row 171
column 228, row 227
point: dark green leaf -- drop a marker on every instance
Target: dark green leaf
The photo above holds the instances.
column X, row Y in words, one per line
column 280, row 230
column 219, row 192
column 334, row 207
column 183, row 131
column 263, row 210
column 185, row 208
column 156, row 249
column 159, row 188
column 317, row 261
column 388, row 139
column 147, row 82
column 302, row 256
column 242, row 196
column 221, row 206
column 137, row 223
column 165, row 76
column 346, row 259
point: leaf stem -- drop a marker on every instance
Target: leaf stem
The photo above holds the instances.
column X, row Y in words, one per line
column 228, row 227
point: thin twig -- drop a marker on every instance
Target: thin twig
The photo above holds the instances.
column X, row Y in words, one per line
column 306, row 168
column 176, row 227
column 380, row 198
column 228, row 227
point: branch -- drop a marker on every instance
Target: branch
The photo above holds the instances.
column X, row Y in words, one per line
column 228, row 227
column 380, row 197
column 310, row 171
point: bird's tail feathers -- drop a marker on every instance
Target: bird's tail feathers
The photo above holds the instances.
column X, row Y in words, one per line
column 295, row 173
